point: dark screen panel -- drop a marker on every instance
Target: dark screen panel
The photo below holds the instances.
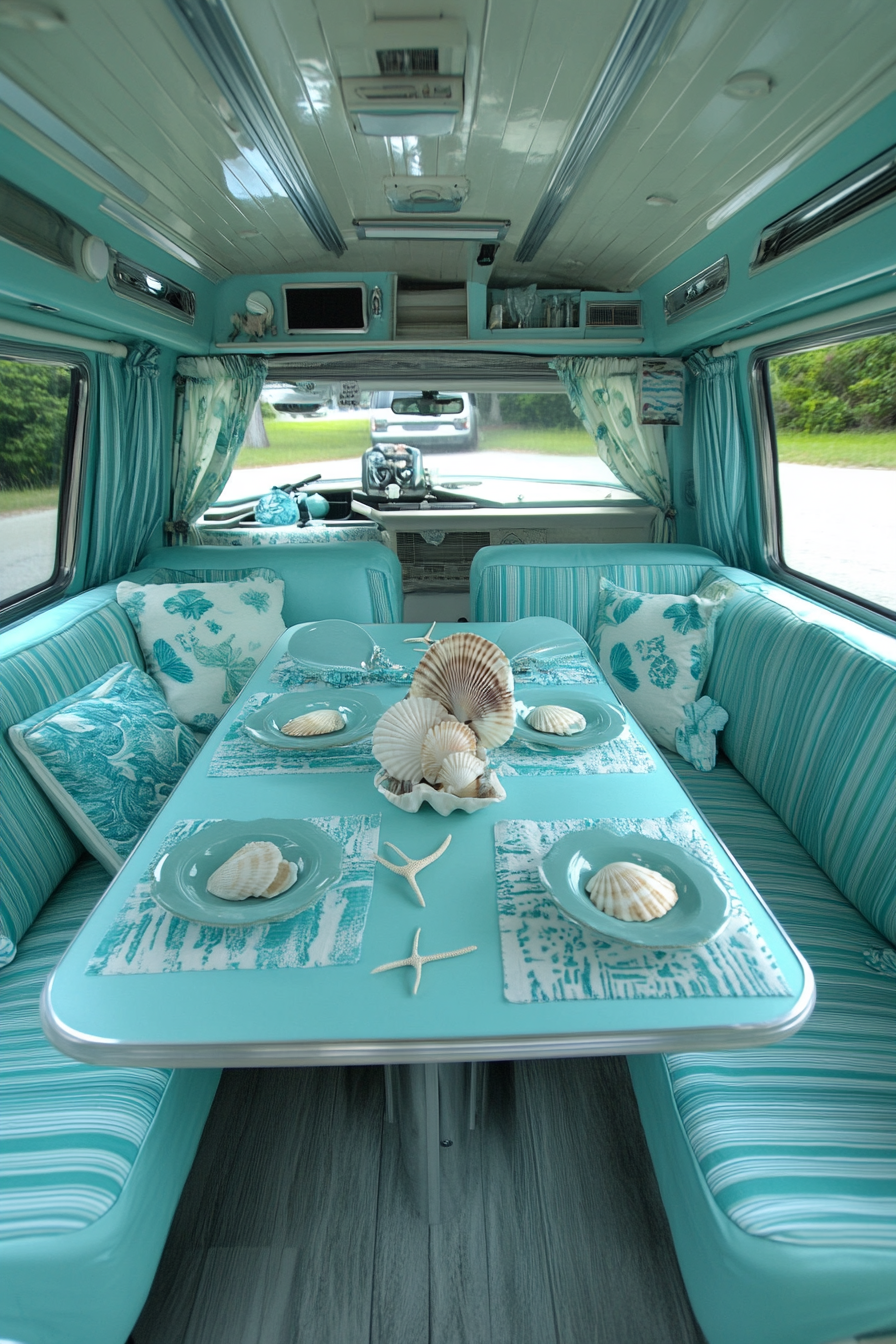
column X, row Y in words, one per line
column 340, row 308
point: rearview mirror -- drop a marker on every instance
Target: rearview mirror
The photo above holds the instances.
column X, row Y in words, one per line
column 428, row 403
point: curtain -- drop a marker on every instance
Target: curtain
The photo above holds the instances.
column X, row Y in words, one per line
column 214, row 406
column 602, row 394
column 719, row 458
column 129, row 486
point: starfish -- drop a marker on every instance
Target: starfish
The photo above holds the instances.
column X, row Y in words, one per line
column 412, row 867
column 419, row 962
column 422, row 639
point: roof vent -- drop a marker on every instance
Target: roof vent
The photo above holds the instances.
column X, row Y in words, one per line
column 409, row 61
column 849, row 200
column 703, row 288
column 613, row 315
column 134, row 281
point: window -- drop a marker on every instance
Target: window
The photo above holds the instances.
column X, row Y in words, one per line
column 523, row 448
column 41, row 414
column 832, row 417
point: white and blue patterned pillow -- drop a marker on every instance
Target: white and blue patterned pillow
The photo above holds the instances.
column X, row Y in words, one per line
column 107, row 757
column 202, row 641
column 654, row 649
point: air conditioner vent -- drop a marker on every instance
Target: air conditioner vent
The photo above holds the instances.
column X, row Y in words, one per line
column 134, row 281
column 703, row 288
column 409, row 61
column 846, row 202
column 613, row 315
column 441, row 568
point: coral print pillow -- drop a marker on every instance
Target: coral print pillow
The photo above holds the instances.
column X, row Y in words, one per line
column 654, row 649
column 203, row 641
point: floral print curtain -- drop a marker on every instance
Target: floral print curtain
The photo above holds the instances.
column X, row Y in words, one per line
column 602, row 394
column 215, row 403
column 128, row 491
column 719, row 458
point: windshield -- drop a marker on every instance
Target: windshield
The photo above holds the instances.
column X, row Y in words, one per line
column 501, row 448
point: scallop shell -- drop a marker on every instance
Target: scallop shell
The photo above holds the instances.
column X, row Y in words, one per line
column 316, row 723
column 630, row 892
column 444, row 740
column 248, row 872
column 287, row 876
column 471, row 677
column 460, row 774
column 555, row 719
column 399, row 735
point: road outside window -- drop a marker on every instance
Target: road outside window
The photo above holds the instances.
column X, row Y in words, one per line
column 35, row 406
column 835, row 432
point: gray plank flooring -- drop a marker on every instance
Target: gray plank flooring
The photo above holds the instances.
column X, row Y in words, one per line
column 297, row 1226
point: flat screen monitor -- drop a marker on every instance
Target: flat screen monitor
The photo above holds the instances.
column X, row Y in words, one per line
column 322, row 308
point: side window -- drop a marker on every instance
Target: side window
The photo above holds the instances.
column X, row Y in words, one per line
column 41, row 413
column 832, row 413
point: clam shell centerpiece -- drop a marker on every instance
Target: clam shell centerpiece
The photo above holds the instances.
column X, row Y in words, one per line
column 433, row 745
column 257, row 869
column 315, row 724
column 631, row 892
column 556, row 719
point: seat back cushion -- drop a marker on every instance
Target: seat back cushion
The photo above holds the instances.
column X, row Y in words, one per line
column 355, row 583
column 510, row 582
column 810, row 726
column 40, row 665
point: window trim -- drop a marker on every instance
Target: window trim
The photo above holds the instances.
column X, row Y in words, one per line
column 769, row 494
column 71, row 479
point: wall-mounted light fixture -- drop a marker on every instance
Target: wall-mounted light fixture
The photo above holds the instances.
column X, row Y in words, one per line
column 441, row 230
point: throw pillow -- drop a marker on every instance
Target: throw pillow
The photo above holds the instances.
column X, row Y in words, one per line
column 202, row 641
column 655, row 648
column 107, row 757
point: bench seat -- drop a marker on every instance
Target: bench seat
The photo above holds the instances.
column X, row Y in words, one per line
column 778, row 1165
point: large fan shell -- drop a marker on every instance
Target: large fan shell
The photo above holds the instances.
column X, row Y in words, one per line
column 471, row 678
column 399, row 735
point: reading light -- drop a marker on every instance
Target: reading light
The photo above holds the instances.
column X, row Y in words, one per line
column 441, row 230
column 748, row 84
column 487, row 254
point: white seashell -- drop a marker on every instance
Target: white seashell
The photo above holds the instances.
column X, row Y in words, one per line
column 630, row 892
column 444, row 740
column 411, row 798
column 316, row 723
column 471, row 677
column 287, row 875
column 556, row 719
column 248, row 872
column 399, row 735
column 460, row 774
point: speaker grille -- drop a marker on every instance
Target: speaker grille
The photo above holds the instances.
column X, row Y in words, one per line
column 613, row 315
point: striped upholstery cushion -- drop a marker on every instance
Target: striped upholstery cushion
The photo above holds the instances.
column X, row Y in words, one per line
column 811, row 728
column 70, row 1132
column 38, row 848
column 382, row 598
column 797, row 1141
column 510, row 582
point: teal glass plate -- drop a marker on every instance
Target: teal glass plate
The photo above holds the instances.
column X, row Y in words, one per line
column 540, row 637
column 359, row 709
column 179, row 878
column 603, row 721
column 700, row 912
column 332, row 644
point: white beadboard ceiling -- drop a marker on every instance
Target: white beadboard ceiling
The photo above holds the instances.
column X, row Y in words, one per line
column 123, row 74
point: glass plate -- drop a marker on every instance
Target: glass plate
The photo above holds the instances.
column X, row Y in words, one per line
column 329, row 644
column 603, row 721
column 540, row 637
column 359, row 709
column 180, row 876
column 700, row 912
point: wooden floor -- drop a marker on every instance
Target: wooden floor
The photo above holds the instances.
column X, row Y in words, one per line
column 297, row 1226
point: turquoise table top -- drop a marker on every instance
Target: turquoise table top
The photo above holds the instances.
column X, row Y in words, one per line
column 342, row 1013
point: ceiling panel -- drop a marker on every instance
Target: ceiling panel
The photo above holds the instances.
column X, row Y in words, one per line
column 124, row 75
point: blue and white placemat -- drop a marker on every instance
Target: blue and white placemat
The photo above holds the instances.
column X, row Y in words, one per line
column 145, row 939
column 573, row 669
column 548, row 959
column 238, row 754
column 290, row 675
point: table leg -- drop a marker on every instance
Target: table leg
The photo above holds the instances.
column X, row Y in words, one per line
column 436, row 1107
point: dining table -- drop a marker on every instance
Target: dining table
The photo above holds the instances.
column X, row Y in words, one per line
column 142, row 986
